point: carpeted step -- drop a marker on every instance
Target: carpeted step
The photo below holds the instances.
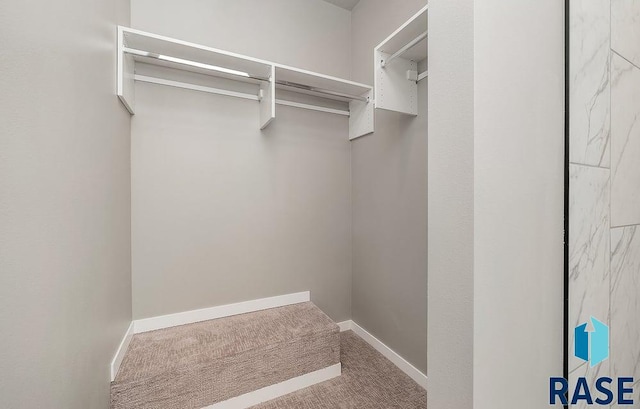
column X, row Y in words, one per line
column 196, row 365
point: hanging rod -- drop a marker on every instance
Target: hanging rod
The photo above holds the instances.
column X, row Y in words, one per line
column 243, row 95
column 194, row 87
column 242, row 74
column 404, row 49
column 312, row 107
column 321, row 91
column 422, row 75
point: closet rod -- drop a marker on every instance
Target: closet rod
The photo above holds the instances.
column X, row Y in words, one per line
column 312, row 107
column 218, row 91
column 241, row 74
column 194, row 87
column 321, row 91
column 404, row 49
column 422, row 76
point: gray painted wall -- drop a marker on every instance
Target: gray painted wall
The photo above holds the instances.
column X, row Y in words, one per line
column 495, row 202
column 518, row 201
column 223, row 212
column 389, row 171
column 450, row 320
column 65, row 280
column 310, row 34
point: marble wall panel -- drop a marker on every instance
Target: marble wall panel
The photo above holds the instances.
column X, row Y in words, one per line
column 589, row 253
column 625, row 302
column 625, row 142
column 625, row 29
column 589, row 82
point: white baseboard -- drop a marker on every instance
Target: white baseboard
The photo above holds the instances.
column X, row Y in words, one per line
column 413, row 372
column 345, row 325
column 122, row 349
column 279, row 389
column 221, row 311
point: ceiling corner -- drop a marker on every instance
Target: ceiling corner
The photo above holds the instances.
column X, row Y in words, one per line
column 345, row 4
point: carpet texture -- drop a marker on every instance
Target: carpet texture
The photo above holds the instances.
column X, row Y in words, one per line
column 368, row 381
column 196, row 365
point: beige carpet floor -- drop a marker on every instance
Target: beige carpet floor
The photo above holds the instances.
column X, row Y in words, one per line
column 368, row 381
column 195, row 365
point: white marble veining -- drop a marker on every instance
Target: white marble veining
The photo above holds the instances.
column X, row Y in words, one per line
column 589, row 82
column 625, row 142
column 625, row 29
column 589, row 253
column 591, row 374
column 604, row 213
column 625, row 301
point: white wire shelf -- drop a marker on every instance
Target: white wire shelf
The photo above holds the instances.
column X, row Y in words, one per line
column 137, row 46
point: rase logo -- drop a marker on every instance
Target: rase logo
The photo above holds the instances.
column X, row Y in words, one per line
column 591, row 346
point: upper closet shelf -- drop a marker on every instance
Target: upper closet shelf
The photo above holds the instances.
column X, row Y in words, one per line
column 135, row 46
column 396, row 65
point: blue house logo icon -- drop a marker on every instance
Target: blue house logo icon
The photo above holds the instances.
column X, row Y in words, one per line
column 592, row 346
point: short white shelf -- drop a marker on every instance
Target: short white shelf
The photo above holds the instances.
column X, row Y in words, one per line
column 396, row 65
column 135, row 46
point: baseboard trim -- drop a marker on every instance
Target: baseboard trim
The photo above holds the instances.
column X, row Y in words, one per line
column 345, row 325
column 122, row 349
column 221, row 311
column 413, row 372
column 279, row 389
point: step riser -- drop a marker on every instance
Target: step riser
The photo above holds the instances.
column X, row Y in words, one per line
column 268, row 393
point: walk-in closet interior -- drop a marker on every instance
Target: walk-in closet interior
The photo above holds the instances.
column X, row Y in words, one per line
column 310, row 203
column 269, row 160
column 275, row 248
